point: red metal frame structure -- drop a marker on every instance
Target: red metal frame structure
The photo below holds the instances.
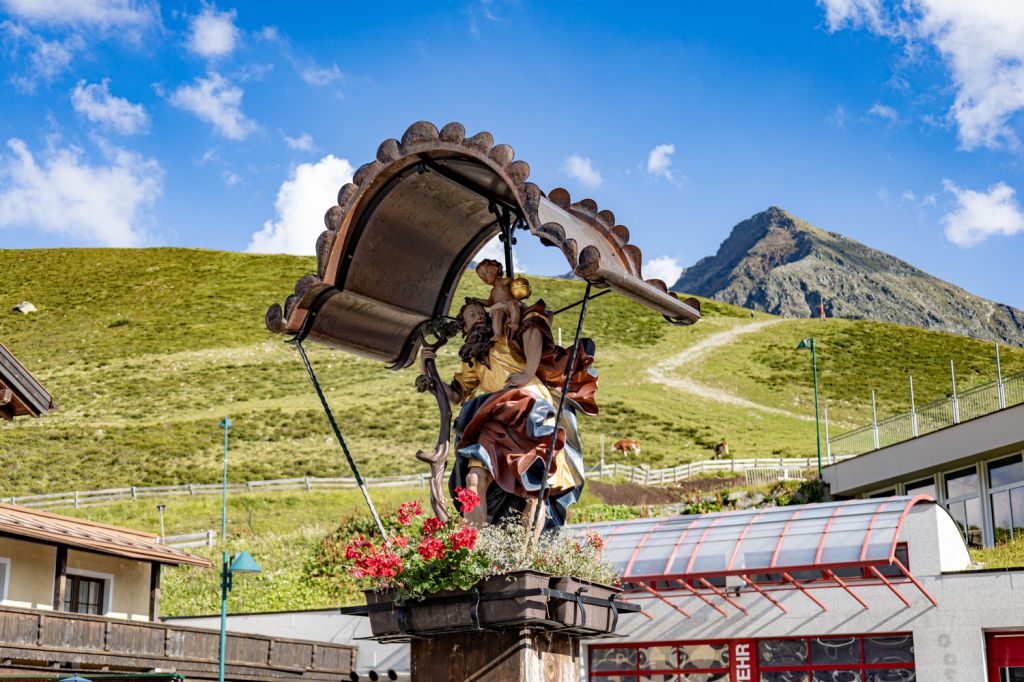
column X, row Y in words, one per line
column 687, row 552
column 717, row 659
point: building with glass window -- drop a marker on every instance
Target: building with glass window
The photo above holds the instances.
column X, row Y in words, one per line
column 79, row 596
column 975, row 469
column 859, row 590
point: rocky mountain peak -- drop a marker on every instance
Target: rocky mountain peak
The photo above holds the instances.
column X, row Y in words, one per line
column 780, row 264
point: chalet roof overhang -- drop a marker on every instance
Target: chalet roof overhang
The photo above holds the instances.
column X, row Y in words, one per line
column 410, row 222
column 20, row 392
column 681, row 555
column 33, row 524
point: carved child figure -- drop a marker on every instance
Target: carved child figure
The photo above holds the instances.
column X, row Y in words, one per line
column 504, row 305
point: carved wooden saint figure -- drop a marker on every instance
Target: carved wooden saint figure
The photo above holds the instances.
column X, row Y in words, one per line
column 509, row 387
column 504, row 300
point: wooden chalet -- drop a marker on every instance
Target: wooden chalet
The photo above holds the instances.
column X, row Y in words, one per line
column 79, row 596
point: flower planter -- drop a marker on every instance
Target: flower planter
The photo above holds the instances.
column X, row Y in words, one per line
column 523, row 599
column 583, row 616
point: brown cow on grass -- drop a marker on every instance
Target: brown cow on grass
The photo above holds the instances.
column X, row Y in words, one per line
column 627, row 446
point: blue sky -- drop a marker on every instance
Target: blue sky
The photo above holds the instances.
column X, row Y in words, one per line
column 232, row 126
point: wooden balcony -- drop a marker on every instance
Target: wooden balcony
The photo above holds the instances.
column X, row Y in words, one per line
column 35, row 639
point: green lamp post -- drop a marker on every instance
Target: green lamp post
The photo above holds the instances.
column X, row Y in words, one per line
column 242, row 562
column 808, row 344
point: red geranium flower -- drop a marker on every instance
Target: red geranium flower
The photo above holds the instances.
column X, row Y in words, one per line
column 465, row 537
column 432, row 525
column 430, row 548
column 407, row 510
column 468, row 500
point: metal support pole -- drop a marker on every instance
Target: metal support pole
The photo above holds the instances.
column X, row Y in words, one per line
column 913, row 409
column 226, row 425
column 874, row 418
column 225, row 587
column 828, row 445
column 160, row 508
column 999, row 381
column 225, row 573
column 817, row 418
column 569, row 369
column 956, row 401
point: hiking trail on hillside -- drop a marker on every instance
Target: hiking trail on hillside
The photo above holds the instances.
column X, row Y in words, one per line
column 667, row 373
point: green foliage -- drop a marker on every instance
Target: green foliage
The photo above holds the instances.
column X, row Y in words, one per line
column 604, row 512
column 1006, row 555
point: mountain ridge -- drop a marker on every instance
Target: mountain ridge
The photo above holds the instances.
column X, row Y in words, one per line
column 780, row 264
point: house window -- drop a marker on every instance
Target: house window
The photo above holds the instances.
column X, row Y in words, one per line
column 5, row 577
column 85, row 594
column 1006, row 483
column 963, row 500
column 923, row 487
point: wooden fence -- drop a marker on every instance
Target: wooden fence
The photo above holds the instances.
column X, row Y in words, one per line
column 641, row 475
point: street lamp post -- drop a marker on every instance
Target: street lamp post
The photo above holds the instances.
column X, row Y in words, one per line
column 240, row 563
column 804, row 345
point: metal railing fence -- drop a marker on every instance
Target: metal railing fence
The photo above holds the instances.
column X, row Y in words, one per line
column 970, row 404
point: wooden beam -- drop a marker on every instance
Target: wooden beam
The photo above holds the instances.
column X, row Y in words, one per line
column 154, row 591
column 60, row 578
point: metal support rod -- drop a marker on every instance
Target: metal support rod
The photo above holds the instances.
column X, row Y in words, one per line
column 874, row 418
column 724, row 596
column 698, row 595
column 907, row 574
column 341, row 440
column 573, row 305
column 569, row 369
column 999, row 380
column 764, row 594
column 225, row 572
column 828, row 445
column 663, row 598
column 956, row 401
column 839, row 581
column 913, row 408
column 225, row 587
column 803, row 591
column 888, row 584
column 817, row 419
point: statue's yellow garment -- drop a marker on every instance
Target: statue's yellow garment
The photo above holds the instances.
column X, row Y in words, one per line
column 503, row 362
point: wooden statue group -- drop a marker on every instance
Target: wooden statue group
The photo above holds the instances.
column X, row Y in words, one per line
column 508, row 386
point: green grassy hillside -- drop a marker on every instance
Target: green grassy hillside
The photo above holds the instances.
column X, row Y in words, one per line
column 146, row 350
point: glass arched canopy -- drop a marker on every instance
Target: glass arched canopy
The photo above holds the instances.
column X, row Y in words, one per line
column 831, row 535
column 410, row 222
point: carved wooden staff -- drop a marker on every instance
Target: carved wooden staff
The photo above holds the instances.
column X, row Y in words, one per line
column 438, row 457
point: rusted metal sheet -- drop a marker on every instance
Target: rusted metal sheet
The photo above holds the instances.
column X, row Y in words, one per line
column 405, row 229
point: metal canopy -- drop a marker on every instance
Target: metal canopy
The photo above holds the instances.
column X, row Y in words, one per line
column 685, row 552
column 409, row 224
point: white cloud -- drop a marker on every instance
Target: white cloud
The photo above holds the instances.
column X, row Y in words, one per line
column 908, row 196
column 838, row 117
column 884, row 112
column 980, row 215
column 59, row 192
column 980, row 42
column 320, row 75
column 95, row 102
column 45, row 59
column 106, row 14
column 231, row 179
column 302, row 143
column 659, row 162
column 301, row 202
column 582, row 169
column 496, row 249
column 665, row 268
column 217, row 101
column 214, row 33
